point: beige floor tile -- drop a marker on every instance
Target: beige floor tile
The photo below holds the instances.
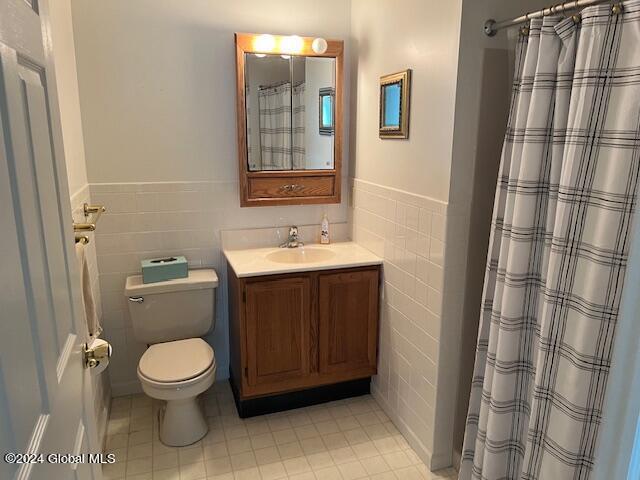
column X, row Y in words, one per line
column 365, row 450
column 239, row 445
column 374, row 465
column 141, row 476
column 167, row 474
column 384, row 476
column 294, row 466
column 290, row 450
column 329, row 473
column 165, row 460
column 326, row 427
column 262, row 440
column 141, row 465
column 247, row 474
column 312, row 445
column 191, row 455
column 267, row 455
column 352, row 470
column 343, row 455
column 139, row 451
column 284, row 436
column 303, row 476
column 306, row 431
column 242, row 461
column 215, row 450
column 193, row 471
column 114, row 471
column 349, row 439
column 273, row 471
column 397, row 460
column 218, row 466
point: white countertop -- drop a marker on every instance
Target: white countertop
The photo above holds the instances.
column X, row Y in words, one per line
column 254, row 262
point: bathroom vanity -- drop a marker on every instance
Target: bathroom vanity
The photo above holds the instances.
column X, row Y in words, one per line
column 303, row 325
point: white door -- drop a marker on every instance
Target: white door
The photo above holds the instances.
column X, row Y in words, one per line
column 42, row 377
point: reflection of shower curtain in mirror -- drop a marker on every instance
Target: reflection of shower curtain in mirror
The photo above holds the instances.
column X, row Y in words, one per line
column 275, row 126
column 298, row 109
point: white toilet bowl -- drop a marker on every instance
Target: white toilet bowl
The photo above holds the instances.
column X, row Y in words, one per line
column 178, row 372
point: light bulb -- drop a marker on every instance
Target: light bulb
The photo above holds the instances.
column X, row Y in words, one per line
column 264, row 43
column 292, row 44
column 286, row 57
column 260, row 55
column 319, row 45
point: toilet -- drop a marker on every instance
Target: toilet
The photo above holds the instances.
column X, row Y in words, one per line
column 170, row 317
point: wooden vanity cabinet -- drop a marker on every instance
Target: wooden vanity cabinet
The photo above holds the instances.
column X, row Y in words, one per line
column 300, row 337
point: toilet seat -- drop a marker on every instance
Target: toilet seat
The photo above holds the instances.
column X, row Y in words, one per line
column 177, row 362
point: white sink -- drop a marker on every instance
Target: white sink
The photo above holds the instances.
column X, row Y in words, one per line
column 300, row 255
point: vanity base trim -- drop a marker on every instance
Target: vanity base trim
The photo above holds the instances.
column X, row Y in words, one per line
column 300, row 398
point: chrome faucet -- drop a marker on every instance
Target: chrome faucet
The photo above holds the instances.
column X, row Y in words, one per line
column 293, row 240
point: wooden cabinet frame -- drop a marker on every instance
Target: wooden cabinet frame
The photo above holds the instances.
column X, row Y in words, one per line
column 268, row 188
column 316, row 370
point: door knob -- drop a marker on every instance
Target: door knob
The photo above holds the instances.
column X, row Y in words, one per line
column 96, row 354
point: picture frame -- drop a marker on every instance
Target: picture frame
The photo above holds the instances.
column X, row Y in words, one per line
column 395, row 97
column 326, row 111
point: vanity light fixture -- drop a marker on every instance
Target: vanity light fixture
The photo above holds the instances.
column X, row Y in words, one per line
column 292, row 44
column 264, row 43
column 319, row 45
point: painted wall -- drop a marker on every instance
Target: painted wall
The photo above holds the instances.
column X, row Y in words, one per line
column 72, row 139
column 389, row 36
column 157, row 92
column 157, row 81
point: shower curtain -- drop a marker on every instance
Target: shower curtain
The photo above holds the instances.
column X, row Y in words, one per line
column 558, row 249
column 298, row 132
column 275, row 126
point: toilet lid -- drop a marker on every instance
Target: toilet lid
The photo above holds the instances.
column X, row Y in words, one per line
column 176, row 361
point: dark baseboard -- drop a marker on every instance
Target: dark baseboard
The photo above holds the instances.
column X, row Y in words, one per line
column 301, row 398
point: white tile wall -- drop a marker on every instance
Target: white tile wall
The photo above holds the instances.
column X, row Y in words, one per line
column 423, row 242
column 101, row 386
column 146, row 220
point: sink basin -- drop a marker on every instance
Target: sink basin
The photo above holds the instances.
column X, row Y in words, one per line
column 300, row 255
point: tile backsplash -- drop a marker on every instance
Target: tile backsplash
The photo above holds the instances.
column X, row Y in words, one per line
column 422, row 243
column 147, row 220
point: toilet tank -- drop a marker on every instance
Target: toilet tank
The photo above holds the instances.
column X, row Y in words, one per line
column 173, row 309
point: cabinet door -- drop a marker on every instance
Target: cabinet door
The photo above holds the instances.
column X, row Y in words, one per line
column 348, row 322
column 277, row 327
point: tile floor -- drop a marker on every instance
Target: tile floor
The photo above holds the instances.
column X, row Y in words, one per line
column 343, row 440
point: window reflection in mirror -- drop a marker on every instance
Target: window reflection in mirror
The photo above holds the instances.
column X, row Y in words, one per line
column 283, row 113
column 326, row 108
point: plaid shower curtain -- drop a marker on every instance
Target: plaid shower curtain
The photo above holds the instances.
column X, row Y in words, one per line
column 275, row 126
column 558, row 249
column 298, row 132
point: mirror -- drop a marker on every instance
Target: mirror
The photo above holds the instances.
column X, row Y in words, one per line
column 289, row 119
column 287, row 127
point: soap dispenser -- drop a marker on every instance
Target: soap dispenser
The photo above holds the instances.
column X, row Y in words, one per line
column 324, row 229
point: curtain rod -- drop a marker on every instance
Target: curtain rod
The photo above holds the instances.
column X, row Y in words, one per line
column 491, row 27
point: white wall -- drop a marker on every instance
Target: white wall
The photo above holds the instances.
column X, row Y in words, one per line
column 72, row 139
column 157, row 81
column 390, row 36
column 402, row 212
column 157, row 92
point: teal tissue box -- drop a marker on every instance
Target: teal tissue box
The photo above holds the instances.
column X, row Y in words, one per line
column 161, row 269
